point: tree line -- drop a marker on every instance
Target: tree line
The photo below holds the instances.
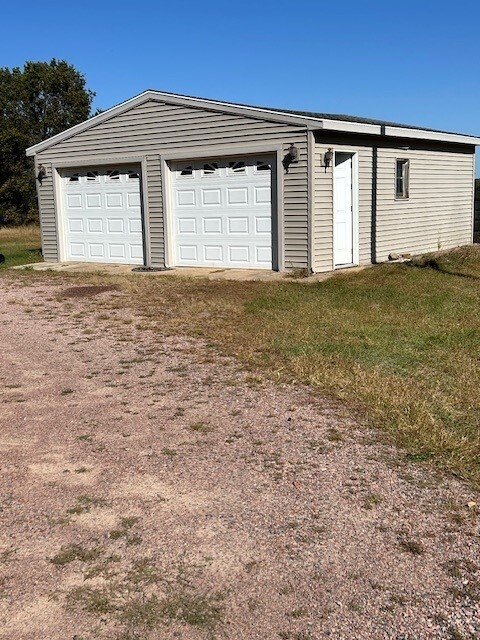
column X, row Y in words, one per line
column 36, row 102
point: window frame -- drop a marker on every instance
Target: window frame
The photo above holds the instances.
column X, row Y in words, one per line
column 404, row 177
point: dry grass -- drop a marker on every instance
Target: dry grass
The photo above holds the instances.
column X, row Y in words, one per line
column 397, row 343
column 464, row 261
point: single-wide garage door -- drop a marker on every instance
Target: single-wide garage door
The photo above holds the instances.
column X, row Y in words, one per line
column 223, row 212
column 102, row 215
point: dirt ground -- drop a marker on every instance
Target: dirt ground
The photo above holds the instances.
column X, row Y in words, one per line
column 150, row 488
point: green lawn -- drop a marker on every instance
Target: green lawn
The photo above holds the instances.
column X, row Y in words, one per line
column 20, row 245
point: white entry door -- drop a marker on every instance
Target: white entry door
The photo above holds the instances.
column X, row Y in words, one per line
column 102, row 215
column 222, row 212
column 343, row 209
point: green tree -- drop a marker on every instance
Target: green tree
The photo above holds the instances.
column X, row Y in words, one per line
column 36, row 102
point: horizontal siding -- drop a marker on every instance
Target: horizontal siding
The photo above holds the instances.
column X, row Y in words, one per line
column 155, row 211
column 438, row 213
column 48, row 222
column 476, row 225
column 156, row 128
column 323, row 206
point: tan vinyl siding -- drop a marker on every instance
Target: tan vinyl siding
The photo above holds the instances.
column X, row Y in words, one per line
column 476, row 225
column 154, row 208
column 154, row 129
column 48, row 224
column 323, row 205
column 438, row 212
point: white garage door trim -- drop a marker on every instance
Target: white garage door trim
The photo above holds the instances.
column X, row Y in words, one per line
column 222, row 212
column 102, row 214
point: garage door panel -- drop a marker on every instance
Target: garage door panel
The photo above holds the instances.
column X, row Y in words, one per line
column 113, row 201
column 263, row 225
column 93, row 201
column 96, row 250
column 75, row 225
column 103, row 215
column 213, row 253
column 133, row 199
column 237, row 225
column 237, row 196
column 188, row 253
column 74, row 201
column 212, row 225
column 262, row 195
column 239, row 254
column 223, row 212
column 134, row 226
column 77, row 249
column 186, row 225
column 263, row 255
column 136, row 251
column 186, row 198
column 94, row 225
column 211, row 197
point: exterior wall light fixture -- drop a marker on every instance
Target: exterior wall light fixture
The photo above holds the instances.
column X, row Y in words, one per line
column 327, row 158
column 291, row 156
column 42, row 173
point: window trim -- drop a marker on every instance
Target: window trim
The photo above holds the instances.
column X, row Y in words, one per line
column 405, row 177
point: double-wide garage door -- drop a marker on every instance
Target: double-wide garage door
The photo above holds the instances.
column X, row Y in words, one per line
column 222, row 210
column 103, row 216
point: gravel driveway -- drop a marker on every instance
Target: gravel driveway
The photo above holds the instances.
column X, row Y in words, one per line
column 150, row 488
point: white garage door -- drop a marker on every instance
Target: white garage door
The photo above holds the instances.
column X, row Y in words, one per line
column 103, row 218
column 223, row 212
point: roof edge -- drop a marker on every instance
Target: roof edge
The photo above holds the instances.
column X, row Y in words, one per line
column 303, row 119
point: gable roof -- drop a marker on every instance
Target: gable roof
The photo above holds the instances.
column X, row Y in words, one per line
column 310, row 120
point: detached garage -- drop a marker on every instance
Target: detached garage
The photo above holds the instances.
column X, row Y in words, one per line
column 164, row 180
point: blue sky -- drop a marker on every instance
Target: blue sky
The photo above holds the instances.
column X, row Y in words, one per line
column 410, row 62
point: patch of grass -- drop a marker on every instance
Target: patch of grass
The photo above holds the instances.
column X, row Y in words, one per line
column 463, row 261
column 372, row 500
column 201, row 427
column 103, row 568
column 297, row 613
column 171, row 453
column 20, row 245
column 66, row 392
column 145, row 599
column 414, row 547
column 123, row 530
column 85, row 503
column 142, row 572
column 76, row 552
column 6, row 556
column 91, row 599
column 334, row 435
column 197, row 610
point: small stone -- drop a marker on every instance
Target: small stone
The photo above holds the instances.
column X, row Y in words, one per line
column 394, row 256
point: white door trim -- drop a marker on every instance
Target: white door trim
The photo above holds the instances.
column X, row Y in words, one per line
column 212, row 153
column 355, row 210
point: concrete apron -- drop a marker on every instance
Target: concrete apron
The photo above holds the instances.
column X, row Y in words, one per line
column 242, row 275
